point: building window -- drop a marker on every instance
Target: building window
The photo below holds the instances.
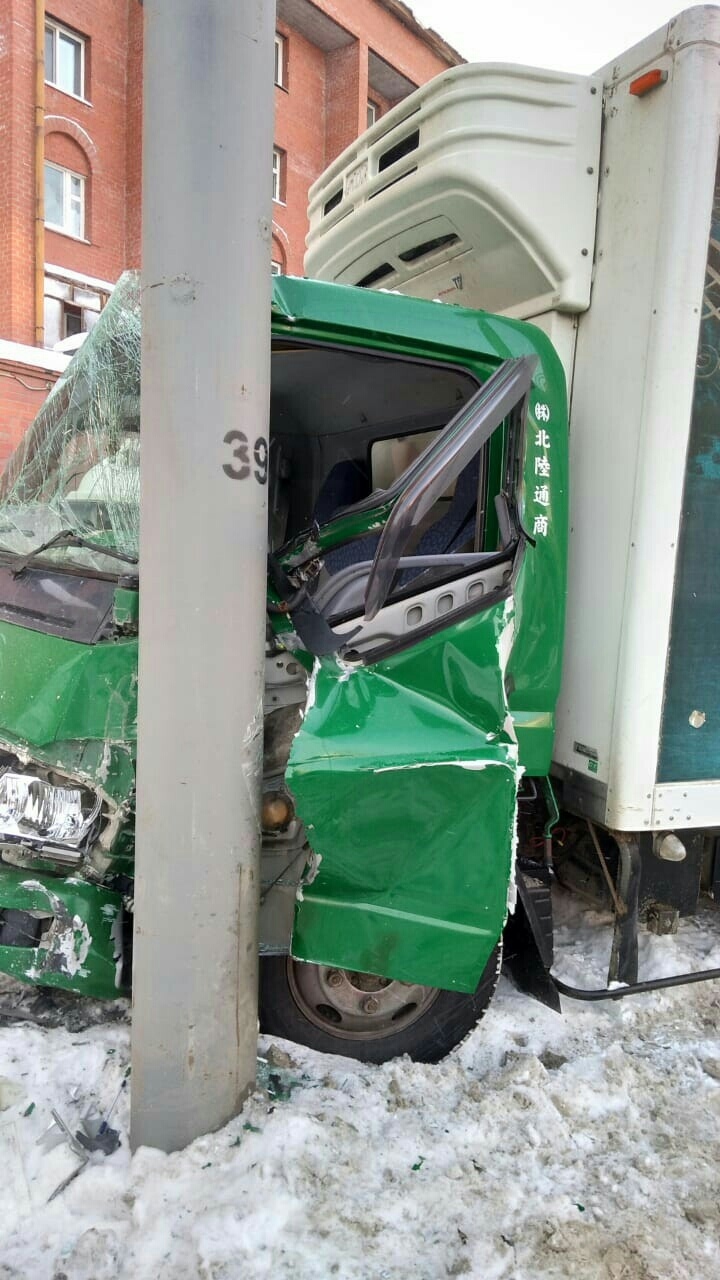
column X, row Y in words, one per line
column 276, row 268
column 72, row 305
column 280, row 48
column 64, row 200
column 64, row 59
column 278, row 175
column 372, row 113
column 72, row 320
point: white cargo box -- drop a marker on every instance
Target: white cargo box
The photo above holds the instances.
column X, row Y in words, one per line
column 494, row 206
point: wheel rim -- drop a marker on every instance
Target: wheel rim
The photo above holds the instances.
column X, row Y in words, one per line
column 356, row 1006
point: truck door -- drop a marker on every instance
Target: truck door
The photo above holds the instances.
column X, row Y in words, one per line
column 405, row 769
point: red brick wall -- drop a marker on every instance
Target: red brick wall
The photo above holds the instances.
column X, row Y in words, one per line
column 325, row 106
column 17, row 170
column 99, row 129
column 22, row 392
column 133, row 136
column 318, row 113
column 388, row 37
column 299, row 132
column 88, row 137
column 347, row 71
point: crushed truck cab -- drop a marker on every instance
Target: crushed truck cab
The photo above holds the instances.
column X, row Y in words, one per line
column 417, row 485
column 597, row 219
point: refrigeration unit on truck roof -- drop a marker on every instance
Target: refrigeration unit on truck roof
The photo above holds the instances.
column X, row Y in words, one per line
column 480, row 188
column 587, row 204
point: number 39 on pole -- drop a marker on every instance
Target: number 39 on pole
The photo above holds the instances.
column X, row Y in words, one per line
column 241, row 467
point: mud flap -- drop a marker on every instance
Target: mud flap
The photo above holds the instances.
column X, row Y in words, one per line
column 624, row 954
column 405, row 773
column 528, row 939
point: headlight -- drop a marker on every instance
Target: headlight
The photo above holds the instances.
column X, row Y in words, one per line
column 31, row 809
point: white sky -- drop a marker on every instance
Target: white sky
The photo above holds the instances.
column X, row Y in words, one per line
column 565, row 35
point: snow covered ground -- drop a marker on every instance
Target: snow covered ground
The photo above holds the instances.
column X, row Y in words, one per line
column 585, row 1145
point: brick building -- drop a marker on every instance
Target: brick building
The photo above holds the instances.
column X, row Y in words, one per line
column 71, row 125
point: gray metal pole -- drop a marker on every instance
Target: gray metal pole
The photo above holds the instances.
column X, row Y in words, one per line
column 207, row 145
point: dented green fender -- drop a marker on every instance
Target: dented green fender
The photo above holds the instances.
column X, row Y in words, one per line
column 82, row 950
column 406, row 775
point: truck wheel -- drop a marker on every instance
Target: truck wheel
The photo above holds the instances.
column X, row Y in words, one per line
column 365, row 1017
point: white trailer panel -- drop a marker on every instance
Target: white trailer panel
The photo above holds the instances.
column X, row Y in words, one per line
column 632, row 397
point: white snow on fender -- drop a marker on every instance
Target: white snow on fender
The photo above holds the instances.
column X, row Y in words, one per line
column 73, row 945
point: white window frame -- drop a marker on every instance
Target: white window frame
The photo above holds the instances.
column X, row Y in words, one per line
column 277, row 175
column 276, row 268
column 280, row 51
column 67, row 202
column 372, row 112
column 58, row 29
column 69, row 308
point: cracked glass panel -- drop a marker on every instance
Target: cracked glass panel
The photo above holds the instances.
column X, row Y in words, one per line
column 77, row 471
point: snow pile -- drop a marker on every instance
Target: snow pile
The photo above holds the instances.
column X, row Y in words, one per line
column 546, row 1147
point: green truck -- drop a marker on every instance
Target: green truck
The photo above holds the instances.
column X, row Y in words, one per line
column 415, row 604
column 429, row 574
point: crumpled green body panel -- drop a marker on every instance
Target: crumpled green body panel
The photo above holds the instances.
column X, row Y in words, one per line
column 83, row 950
column 52, row 689
column 405, row 774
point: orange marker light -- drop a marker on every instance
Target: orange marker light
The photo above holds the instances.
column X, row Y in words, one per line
column 650, row 80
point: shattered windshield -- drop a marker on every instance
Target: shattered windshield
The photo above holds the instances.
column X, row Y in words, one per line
column 77, row 470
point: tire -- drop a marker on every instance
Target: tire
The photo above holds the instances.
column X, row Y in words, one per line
column 370, row 1019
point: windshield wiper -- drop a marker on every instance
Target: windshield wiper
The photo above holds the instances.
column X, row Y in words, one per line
column 68, row 538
